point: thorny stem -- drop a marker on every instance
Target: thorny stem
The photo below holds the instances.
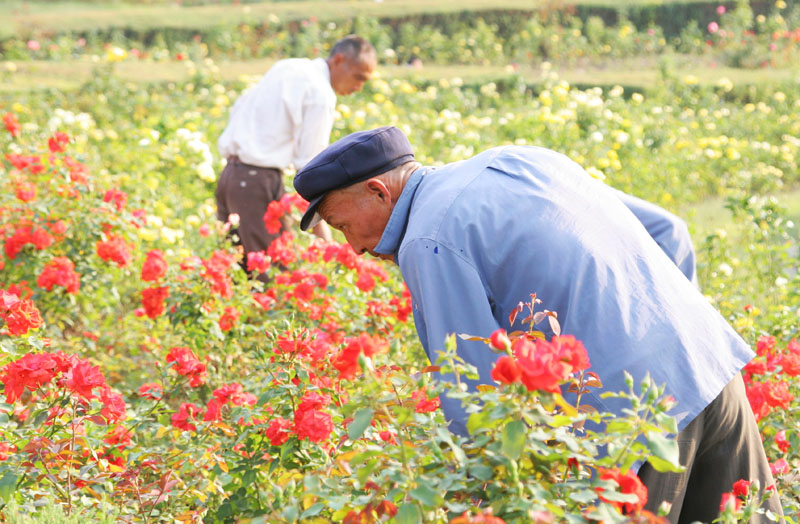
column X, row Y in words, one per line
column 169, row 474
column 50, row 476
column 69, row 468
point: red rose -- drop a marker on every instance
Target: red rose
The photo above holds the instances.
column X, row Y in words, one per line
column 153, row 300
column 115, row 249
column 12, row 124
column 228, row 319
column 83, row 378
column 117, row 198
column 60, row 271
column 154, row 266
column 278, row 431
column 257, row 261
column 187, row 413
column 272, row 217
column 506, row 370
column 21, row 317
column 151, row 390
column 741, row 487
column 781, row 441
column 629, row 483
column 729, row 501
column 500, row 340
column 58, row 142
column 541, row 366
column 313, row 424
column 114, row 409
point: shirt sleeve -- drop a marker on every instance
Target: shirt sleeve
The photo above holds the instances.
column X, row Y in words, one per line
column 314, row 130
column 449, row 298
column 669, row 232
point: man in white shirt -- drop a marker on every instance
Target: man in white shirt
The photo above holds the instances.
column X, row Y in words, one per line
column 285, row 120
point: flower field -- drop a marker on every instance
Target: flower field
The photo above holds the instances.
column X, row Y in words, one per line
column 147, row 379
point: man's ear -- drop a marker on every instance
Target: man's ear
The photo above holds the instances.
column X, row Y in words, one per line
column 378, row 188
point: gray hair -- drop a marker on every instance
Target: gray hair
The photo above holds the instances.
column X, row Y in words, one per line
column 354, row 48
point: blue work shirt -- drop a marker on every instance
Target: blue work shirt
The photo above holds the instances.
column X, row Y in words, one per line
column 476, row 237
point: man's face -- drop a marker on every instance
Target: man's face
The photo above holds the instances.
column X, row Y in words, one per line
column 349, row 76
column 361, row 214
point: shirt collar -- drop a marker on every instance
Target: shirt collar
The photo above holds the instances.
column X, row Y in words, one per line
column 322, row 65
column 396, row 226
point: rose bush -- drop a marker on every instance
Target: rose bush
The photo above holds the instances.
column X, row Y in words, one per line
column 144, row 373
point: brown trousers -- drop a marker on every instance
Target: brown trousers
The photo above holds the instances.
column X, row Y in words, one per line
column 247, row 191
column 719, row 447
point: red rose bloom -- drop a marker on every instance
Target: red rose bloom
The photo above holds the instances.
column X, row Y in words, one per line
column 228, row 319
column 187, row 413
column 151, row 390
column 278, row 431
column 114, row 408
column 12, row 124
column 257, row 261
column 729, row 501
column 500, row 340
column 58, row 142
column 154, row 266
column 186, row 364
column 506, row 370
column 540, row 364
column 26, row 191
column 153, row 300
column 628, row 483
column 115, row 249
column 30, row 372
column 741, row 487
column 41, row 239
column 424, row 404
column 272, row 218
column 117, row 198
column 781, row 441
column 83, row 378
column 21, row 316
column 60, row 271
column 313, row 424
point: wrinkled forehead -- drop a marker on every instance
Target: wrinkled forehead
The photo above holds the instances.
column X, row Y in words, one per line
column 333, row 203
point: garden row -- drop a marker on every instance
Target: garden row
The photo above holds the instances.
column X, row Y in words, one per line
column 146, row 378
column 738, row 34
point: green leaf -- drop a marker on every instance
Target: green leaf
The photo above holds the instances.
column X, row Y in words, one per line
column 426, row 496
column 476, row 421
column 665, row 453
column 408, row 514
column 360, row 423
column 513, row 439
column 584, row 496
column 619, row 426
column 481, row 472
column 313, row 510
column 8, row 484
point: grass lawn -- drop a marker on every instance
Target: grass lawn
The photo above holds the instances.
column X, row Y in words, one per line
column 21, row 16
column 634, row 72
column 706, row 217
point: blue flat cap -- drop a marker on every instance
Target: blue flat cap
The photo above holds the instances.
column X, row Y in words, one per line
column 349, row 160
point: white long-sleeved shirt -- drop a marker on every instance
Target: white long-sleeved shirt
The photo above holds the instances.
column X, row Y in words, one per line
column 285, row 119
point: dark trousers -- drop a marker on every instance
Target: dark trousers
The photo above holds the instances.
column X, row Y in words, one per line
column 247, row 191
column 719, row 447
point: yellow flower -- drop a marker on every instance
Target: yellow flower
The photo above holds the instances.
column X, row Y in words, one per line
column 115, row 54
column 690, row 80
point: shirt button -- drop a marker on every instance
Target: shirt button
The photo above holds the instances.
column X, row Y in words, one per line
column 252, row 172
column 243, row 183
